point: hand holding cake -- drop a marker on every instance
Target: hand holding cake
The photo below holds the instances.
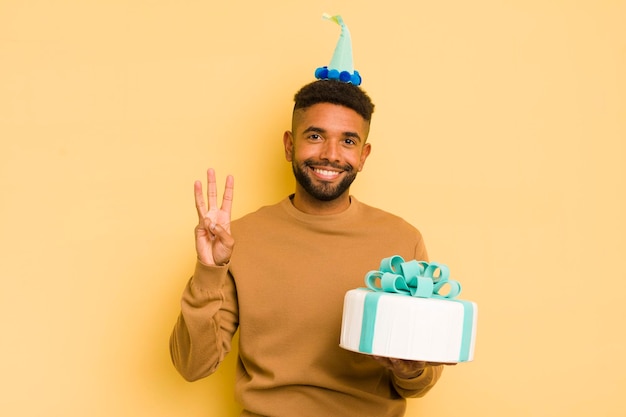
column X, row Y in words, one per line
column 406, row 369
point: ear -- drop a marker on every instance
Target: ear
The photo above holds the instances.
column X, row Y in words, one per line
column 288, row 144
column 365, row 152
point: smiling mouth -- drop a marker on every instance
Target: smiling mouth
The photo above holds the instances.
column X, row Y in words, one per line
column 326, row 173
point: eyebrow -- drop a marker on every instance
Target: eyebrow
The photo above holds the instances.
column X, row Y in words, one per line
column 316, row 129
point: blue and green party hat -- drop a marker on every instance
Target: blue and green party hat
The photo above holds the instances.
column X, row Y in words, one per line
column 341, row 67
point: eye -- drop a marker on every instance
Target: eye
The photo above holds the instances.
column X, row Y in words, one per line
column 314, row 136
column 349, row 141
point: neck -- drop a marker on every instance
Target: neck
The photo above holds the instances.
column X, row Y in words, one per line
column 310, row 205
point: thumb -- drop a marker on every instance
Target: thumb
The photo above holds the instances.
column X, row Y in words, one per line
column 222, row 235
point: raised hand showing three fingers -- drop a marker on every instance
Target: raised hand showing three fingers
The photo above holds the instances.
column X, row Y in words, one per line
column 214, row 243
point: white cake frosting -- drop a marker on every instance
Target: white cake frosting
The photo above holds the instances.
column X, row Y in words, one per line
column 424, row 329
column 402, row 314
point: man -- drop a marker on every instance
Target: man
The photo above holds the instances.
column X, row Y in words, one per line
column 279, row 275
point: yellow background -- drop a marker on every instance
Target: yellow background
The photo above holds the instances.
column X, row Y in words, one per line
column 500, row 132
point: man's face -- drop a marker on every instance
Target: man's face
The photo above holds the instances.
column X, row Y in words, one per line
column 327, row 149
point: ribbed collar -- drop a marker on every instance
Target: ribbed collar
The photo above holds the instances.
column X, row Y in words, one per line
column 328, row 219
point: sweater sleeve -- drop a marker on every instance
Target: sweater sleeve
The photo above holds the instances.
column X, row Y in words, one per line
column 421, row 254
column 208, row 319
column 418, row 387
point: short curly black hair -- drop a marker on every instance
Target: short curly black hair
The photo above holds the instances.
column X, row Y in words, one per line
column 335, row 92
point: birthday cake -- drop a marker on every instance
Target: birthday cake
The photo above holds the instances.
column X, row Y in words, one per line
column 409, row 310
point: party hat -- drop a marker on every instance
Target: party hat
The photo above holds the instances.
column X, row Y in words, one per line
column 341, row 67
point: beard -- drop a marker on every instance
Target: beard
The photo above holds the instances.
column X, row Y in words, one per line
column 324, row 191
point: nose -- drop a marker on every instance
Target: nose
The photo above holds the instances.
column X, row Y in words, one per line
column 330, row 150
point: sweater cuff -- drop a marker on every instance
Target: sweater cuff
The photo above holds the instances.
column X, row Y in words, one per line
column 209, row 277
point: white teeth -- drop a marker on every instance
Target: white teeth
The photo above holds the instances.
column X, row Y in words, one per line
column 325, row 172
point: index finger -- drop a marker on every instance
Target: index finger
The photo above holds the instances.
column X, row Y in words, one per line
column 227, row 200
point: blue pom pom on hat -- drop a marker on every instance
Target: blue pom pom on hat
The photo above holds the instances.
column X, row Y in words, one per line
column 341, row 67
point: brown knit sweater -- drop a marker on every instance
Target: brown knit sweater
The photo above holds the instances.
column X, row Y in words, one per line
column 283, row 289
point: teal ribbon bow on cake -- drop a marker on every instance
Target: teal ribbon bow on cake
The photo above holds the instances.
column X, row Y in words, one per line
column 414, row 278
